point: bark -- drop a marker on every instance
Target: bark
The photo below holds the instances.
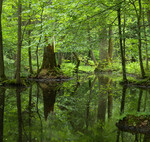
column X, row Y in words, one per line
column 29, row 43
column 110, row 48
column 148, row 14
column 37, row 47
column 18, row 80
column 2, row 69
column 121, row 46
column 60, row 56
column 103, row 49
column 139, row 39
column 49, row 60
column 145, row 39
column 78, row 62
column 91, row 54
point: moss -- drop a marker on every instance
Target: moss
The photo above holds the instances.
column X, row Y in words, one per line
column 51, row 74
column 135, row 124
column 12, row 82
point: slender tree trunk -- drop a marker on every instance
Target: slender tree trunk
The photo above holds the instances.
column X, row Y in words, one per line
column 2, row 70
column 139, row 39
column 124, row 38
column 91, row 54
column 29, row 43
column 145, row 38
column 93, row 57
column 18, row 80
column 148, row 13
column 78, row 62
column 110, row 48
column 121, row 46
column 37, row 47
column 60, row 56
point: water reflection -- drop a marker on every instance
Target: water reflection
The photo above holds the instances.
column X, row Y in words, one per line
column 49, row 94
column 85, row 109
column 133, row 124
column 18, row 96
column 2, row 103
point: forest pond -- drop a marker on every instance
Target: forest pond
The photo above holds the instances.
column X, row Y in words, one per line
column 83, row 109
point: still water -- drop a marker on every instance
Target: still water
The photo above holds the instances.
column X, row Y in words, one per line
column 84, row 109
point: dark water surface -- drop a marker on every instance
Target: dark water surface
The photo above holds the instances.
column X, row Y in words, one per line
column 83, row 110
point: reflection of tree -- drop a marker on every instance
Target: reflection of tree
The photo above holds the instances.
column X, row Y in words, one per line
column 18, row 95
column 103, row 82
column 38, row 112
column 2, row 103
column 123, row 99
column 49, row 94
column 122, row 108
column 139, row 101
column 91, row 85
column 110, row 99
column 30, row 112
column 146, row 138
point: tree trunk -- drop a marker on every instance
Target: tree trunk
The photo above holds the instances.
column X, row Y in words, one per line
column 49, row 61
column 78, row 62
column 148, row 14
column 91, row 54
column 37, row 47
column 2, row 70
column 121, row 46
column 103, row 50
column 139, row 39
column 48, row 69
column 60, row 56
column 29, row 43
column 110, row 48
column 145, row 39
column 18, row 80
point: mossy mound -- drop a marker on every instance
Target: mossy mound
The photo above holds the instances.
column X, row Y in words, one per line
column 137, row 82
column 55, row 73
column 135, row 124
column 12, row 82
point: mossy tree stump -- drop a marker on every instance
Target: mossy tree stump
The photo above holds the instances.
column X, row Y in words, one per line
column 49, row 67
